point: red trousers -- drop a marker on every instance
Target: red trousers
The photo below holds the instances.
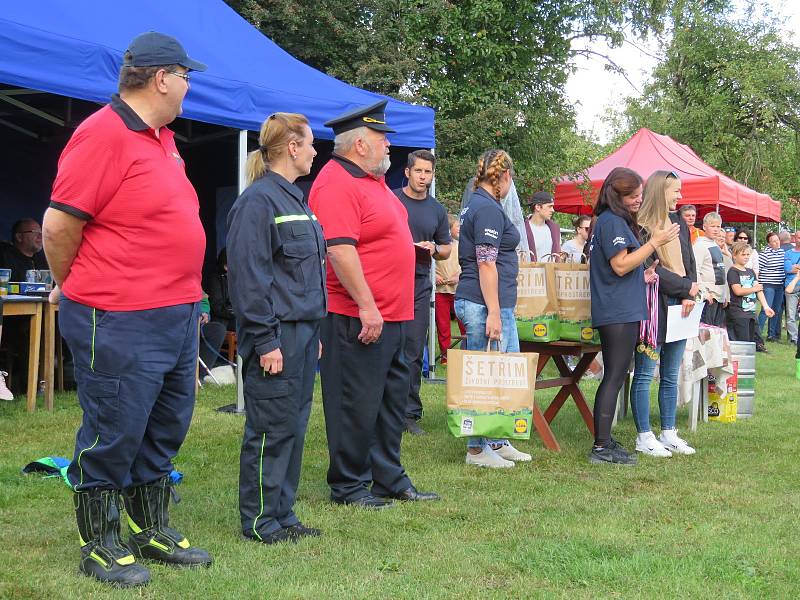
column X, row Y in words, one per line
column 444, row 308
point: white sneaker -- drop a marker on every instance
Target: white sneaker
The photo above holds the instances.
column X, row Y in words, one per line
column 5, row 393
column 488, row 458
column 670, row 439
column 225, row 375
column 647, row 443
column 508, row 452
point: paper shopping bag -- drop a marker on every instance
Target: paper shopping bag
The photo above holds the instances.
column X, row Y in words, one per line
column 490, row 394
column 536, row 312
column 574, row 302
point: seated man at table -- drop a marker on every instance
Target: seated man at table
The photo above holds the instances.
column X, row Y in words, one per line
column 25, row 250
column 22, row 254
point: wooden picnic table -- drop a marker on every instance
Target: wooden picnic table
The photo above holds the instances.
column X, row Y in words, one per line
column 567, row 382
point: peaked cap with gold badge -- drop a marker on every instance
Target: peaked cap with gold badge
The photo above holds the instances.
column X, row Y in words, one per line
column 372, row 116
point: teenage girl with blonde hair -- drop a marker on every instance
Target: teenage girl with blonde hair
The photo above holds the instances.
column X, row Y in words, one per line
column 676, row 286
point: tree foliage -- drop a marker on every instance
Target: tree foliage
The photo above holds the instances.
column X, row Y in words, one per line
column 494, row 70
column 730, row 89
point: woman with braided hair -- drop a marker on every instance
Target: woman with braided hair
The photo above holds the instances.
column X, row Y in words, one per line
column 618, row 287
column 487, row 288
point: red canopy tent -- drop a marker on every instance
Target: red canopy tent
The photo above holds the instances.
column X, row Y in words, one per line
column 703, row 186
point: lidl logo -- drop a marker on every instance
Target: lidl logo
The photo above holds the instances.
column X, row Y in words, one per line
column 587, row 333
column 540, row 330
column 520, row 425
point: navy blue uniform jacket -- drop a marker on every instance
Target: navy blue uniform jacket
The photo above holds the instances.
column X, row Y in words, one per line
column 276, row 263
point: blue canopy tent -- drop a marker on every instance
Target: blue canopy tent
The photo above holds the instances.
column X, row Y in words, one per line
column 74, row 48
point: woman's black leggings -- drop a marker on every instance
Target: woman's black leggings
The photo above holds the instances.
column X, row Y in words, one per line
column 619, row 342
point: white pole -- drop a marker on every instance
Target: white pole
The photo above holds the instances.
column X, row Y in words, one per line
column 242, row 179
column 432, row 315
column 755, row 225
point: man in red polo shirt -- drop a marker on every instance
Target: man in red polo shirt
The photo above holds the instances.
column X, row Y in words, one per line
column 365, row 377
column 125, row 245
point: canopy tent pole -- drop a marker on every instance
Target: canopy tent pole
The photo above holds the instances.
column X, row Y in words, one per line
column 432, row 317
column 242, row 179
column 755, row 226
column 238, row 408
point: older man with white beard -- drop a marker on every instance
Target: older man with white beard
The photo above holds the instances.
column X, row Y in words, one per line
column 370, row 281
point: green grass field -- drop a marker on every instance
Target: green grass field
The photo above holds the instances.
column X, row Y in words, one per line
column 720, row 524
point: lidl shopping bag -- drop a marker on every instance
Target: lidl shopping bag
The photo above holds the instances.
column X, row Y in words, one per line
column 574, row 301
column 536, row 312
column 490, row 394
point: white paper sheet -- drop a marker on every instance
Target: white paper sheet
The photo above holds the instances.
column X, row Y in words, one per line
column 679, row 328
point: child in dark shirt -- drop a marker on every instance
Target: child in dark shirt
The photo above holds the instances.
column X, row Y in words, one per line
column 741, row 312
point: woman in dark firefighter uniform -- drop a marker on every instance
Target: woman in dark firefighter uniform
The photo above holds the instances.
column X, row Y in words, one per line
column 276, row 271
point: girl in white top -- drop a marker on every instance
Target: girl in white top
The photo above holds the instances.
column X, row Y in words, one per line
column 574, row 247
column 742, row 235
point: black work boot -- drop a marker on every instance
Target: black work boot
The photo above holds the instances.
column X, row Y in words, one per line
column 151, row 536
column 103, row 555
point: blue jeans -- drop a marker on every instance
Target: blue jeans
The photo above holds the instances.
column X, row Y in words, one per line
column 774, row 296
column 671, row 356
column 473, row 315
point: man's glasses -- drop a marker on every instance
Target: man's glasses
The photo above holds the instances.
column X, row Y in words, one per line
column 184, row 76
column 36, row 231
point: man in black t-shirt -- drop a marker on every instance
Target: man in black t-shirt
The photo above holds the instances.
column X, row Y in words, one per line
column 25, row 251
column 427, row 220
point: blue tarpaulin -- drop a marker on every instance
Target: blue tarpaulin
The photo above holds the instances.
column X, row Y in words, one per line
column 74, row 48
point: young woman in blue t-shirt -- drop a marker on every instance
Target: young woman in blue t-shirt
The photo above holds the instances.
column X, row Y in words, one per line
column 617, row 281
column 487, row 288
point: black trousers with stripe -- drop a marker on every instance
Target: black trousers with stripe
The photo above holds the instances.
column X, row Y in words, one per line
column 364, row 393
column 135, row 372
column 277, row 410
column 416, row 337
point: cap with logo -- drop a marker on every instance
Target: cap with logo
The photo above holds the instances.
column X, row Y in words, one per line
column 153, row 49
column 372, row 116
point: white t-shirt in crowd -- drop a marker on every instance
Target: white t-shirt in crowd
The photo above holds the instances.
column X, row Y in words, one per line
column 543, row 239
column 575, row 252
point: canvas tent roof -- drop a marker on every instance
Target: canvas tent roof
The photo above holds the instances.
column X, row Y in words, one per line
column 74, row 48
column 703, row 186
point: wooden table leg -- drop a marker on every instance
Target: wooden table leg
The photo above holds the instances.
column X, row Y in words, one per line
column 572, row 390
column 49, row 353
column 543, row 428
column 60, row 362
column 33, row 357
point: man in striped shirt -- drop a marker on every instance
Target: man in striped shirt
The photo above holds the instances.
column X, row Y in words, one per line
column 771, row 274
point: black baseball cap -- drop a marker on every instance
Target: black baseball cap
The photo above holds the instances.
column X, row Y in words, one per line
column 372, row 116
column 540, row 197
column 153, row 49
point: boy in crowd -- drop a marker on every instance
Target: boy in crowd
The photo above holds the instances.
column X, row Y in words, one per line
column 745, row 289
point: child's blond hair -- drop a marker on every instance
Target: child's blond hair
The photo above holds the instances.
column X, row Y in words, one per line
column 740, row 248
